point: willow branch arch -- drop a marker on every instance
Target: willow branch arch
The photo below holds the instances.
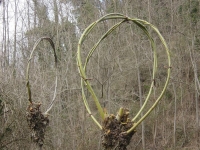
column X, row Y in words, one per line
column 28, row 68
column 82, row 66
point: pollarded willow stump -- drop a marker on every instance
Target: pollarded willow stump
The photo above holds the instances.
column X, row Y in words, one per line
column 114, row 132
column 37, row 122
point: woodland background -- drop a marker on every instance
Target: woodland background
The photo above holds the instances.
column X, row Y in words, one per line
column 120, row 71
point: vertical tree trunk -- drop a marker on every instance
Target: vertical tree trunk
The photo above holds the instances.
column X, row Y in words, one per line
column 174, row 117
column 183, row 114
column 197, row 88
column 15, row 41
column 4, row 36
column 149, row 10
column 35, row 12
column 141, row 101
column 56, row 18
column 8, row 36
column 155, row 125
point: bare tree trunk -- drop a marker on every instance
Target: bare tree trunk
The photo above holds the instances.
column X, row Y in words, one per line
column 141, row 101
column 4, row 36
column 174, row 116
column 183, row 114
column 149, row 10
column 108, row 92
column 197, row 88
column 155, row 125
column 15, row 41
column 35, row 12
column 8, row 36
column 56, row 19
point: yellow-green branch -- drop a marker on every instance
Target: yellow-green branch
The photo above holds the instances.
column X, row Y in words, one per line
column 82, row 68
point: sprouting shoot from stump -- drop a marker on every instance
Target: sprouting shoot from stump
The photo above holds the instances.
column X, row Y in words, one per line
column 118, row 130
column 38, row 121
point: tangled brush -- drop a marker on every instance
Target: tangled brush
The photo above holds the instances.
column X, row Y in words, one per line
column 37, row 123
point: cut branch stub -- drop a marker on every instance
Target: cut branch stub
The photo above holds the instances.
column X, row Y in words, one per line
column 37, row 123
column 113, row 131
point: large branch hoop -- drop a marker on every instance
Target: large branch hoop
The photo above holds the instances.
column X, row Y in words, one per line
column 28, row 68
column 82, row 67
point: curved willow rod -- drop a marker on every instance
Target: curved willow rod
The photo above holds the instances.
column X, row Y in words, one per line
column 102, row 114
column 92, row 50
column 82, row 68
column 28, row 68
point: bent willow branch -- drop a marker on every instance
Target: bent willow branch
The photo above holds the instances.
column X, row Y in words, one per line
column 111, row 120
